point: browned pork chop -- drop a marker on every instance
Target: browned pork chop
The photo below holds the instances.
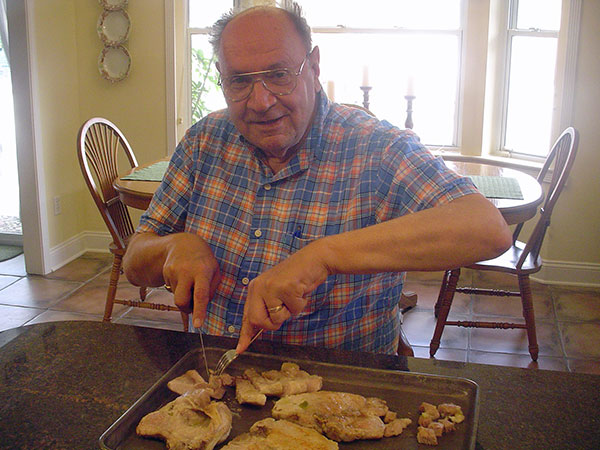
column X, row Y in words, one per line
column 340, row 416
column 189, row 422
column 271, row 434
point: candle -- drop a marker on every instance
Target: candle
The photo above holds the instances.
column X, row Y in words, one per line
column 410, row 86
column 331, row 91
column 365, row 81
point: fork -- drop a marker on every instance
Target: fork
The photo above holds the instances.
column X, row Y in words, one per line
column 230, row 355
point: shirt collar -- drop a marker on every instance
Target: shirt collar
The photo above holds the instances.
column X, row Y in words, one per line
column 317, row 130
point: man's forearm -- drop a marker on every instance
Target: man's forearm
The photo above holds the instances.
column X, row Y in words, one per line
column 461, row 232
column 143, row 262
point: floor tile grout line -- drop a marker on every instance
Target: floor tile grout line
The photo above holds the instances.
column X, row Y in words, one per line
column 10, row 284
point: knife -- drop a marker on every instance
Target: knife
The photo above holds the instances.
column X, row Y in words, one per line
column 204, row 357
column 202, row 344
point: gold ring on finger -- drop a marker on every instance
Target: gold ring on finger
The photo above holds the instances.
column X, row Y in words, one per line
column 168, row 288
column 275, row 309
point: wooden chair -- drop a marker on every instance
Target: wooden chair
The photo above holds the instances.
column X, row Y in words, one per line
column 99, row 145
column 521, row 260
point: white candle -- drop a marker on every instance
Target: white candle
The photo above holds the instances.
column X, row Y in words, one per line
column 410, row 86
column 331, row 91
column 365, row 81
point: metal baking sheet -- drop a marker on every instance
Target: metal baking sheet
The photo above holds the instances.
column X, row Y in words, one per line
column 403, row 392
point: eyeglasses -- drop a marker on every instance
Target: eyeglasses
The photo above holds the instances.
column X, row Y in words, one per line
column 277, row 81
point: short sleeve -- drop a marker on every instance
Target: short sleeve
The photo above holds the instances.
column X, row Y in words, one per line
column 411, row 179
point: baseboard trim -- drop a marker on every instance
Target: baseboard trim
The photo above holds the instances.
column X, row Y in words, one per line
column 553, row 272
column 569, row 273
column 87, row 241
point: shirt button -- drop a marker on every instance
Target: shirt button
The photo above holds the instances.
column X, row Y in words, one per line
column 257, row 233
column 267, row 187
column 231, row 329
column 245, row 281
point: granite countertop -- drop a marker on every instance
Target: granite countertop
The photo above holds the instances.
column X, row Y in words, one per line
column 64, row 383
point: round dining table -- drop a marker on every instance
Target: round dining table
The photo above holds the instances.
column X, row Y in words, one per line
column 138, row 193
column 513, row 210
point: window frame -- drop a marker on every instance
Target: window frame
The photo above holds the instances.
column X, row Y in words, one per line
column 511, row 32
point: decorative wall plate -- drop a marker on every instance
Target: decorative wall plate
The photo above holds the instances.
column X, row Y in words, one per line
column 113, row 27
column 114, row 63
column 113, row 5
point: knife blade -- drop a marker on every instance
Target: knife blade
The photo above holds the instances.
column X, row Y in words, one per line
column 204, row 356
column 201, row 342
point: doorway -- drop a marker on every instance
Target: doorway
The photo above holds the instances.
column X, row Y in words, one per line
column 11, row 232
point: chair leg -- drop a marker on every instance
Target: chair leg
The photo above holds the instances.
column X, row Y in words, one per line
column 438, row 303
column 143, row 293
column 112, row 287
column 528, row 314
column 444, row 309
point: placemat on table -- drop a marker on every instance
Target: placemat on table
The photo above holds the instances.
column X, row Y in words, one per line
column 155, row 172
column 498, row 187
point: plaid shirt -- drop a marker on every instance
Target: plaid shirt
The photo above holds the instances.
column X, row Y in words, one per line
column 352, row 172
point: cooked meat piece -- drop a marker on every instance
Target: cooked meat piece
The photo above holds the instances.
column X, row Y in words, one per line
column 437, row 427
column 448, row 425
column 452, row 412
column 425, row 419
column 189, row 422
column 338, row 415
column 271, row 434
column 376, row 407
column 287, row 381
column 226, row 379
column 189, row 381
column 390, row 417
column 245, row 392
column 192, row 380
column 430, row 409
column 449, row 409
column 396, row 427
column 426, row 436
column 264, row 385
column 350, row 428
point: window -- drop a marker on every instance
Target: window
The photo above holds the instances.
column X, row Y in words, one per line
column 482, row 72
column 399, row 48
column 532, row 37
column 204, row 94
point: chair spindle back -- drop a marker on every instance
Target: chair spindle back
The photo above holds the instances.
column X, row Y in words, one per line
column 561, row 157
column 99, row 144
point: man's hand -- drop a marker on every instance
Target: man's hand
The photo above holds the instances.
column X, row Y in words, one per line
column 286, row 284
column 182, row 261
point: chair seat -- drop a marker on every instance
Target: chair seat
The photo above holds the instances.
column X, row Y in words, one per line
column 507, row 262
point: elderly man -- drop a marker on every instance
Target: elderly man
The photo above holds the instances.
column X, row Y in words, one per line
column 289, row 213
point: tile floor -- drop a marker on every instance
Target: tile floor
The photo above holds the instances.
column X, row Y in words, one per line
column 568, row 318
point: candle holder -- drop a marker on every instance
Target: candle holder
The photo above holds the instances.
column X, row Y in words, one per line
column 409, row 121
column 366, row 90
